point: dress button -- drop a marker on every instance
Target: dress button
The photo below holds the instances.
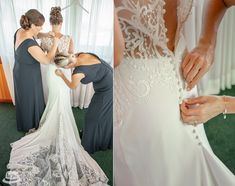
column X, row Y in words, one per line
column 199, row 143
column 196, row 137
column 194, row 131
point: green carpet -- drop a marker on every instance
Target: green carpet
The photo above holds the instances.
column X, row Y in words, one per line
column 9, row 134
column 221, row 135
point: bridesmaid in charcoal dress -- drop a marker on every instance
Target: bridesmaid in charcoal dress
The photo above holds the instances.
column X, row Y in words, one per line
column 29, row 98
column 98, row 128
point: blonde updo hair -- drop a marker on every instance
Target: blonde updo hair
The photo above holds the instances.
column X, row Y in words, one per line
column 62, row 59
column 56, row 17
column 32, row 16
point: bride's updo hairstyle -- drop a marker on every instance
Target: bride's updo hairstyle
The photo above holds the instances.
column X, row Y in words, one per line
column 62, row 59
column 32, row 16
column 56, row 16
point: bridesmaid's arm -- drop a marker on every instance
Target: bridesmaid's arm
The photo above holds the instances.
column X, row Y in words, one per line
column 45, row 34
column 199, row 60
column 214, row 13
column 229, row 3
column 76, row 78
column 38, row 54
column 118, row 42
column 71, row 47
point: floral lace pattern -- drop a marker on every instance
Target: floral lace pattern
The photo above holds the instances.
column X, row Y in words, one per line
column 63, row 46
column 143, row 26
column 55, row 164
column 148, row 61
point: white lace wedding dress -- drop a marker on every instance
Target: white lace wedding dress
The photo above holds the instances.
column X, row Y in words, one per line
column 53, row 154
column 152, row 146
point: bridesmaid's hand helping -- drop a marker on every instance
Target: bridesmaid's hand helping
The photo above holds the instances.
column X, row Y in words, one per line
column 70, row 65
column 56, row 41
column 196, row 64
column 51, row 34
column 58, row 72
column 201, row 109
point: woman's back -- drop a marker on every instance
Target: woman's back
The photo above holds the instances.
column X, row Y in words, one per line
column 151, row 27
column 53, row 83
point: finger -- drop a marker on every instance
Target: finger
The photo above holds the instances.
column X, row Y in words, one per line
column 191, row 120
column 183, row 107
column 69, row 66
column 186, row 60
column 191, row 110
column 196, row 100
column 197, row 78
column 189, row 66
column 194, row 70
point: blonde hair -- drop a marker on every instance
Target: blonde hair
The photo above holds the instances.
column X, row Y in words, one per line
column 62, row 59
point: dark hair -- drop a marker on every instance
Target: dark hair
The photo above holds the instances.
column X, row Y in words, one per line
column 32, row 16
column 56, row 16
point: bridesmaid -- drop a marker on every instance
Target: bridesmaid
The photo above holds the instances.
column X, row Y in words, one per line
column 98, row 128
column 29, row 99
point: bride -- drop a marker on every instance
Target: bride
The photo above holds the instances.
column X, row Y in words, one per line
column 53, row 155
column 152, row 146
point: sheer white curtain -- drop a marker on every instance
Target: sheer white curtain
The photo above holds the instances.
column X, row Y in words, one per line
column 91, row 32
column 222, row 73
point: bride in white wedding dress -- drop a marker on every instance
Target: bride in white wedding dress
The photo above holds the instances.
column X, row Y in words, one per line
column 53, row 155
column 152, row 146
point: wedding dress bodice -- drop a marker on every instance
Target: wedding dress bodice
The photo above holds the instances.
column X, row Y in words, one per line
column 63, row 46
column 143, row 26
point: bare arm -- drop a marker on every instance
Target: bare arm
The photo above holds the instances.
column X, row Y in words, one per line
column 215, row 10
column 40, row 56
column 76, row 79
column 200, row 59
column 203, row 108
column 229, row 3
column 118, row 42
column 71, row 47
column 229, row 104
column 45, row 34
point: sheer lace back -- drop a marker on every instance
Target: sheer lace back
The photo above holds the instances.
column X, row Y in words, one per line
column 63, row 47
column 143, row 26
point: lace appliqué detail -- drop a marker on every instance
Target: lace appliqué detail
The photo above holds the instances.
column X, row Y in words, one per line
column 63, row 46
column 134, row 80
column 143, row 27
column 57, row 164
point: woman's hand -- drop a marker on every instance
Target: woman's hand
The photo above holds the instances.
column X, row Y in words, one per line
column 197, row 63
column 70, row 65
column 201, row 109
column 59, row 72
column 119, row 43
column 51, row 34
column 56, row 41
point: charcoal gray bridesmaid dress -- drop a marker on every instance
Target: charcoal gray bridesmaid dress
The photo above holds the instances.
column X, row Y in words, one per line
column 98, row 127
column 29, row 100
